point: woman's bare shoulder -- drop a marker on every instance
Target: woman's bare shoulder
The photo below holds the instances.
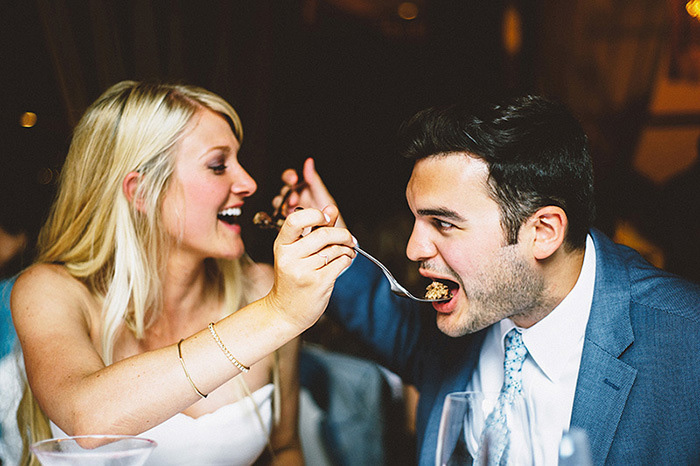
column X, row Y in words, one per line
column 48, row 283
column 43, row 274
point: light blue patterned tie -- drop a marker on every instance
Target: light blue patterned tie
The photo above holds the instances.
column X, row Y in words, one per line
column 496, row 426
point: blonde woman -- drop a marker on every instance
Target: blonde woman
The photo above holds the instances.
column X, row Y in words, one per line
column 143, row 311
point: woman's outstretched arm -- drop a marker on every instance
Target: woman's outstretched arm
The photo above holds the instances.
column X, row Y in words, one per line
column 81, row 395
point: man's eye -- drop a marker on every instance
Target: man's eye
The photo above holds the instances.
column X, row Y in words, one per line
column 442, row 225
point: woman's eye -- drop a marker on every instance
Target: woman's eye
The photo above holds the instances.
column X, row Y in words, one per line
column 218, row 169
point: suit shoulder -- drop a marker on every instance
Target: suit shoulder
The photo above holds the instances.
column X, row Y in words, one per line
column 649, row 286
column 664, row 291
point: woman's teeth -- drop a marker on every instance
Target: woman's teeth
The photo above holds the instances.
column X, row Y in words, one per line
column 229, row 215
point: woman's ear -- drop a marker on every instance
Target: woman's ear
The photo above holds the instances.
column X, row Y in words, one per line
column 129, row 186
column 550, row 224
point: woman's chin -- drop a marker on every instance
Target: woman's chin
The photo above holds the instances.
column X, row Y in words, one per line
column 232, row 252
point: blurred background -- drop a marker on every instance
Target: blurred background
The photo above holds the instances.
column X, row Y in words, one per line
column 333, row 79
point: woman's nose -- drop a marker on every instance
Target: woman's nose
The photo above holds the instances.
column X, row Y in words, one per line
column 243, row 184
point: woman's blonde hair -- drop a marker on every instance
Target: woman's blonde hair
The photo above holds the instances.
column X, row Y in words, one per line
column 105, row 241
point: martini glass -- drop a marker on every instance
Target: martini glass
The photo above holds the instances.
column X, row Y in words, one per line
column 94, row 450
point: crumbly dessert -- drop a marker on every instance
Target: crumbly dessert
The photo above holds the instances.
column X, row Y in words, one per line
column 437, row 290
column 263, row 220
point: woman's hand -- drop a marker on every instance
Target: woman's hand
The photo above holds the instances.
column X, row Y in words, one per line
column 313, row 194
column 309, row 255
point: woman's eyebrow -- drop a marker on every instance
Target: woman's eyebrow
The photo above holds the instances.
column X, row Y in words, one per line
column 225, row 149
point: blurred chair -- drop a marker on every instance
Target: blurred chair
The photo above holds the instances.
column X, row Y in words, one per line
column 352, row 411
column 11, row 380
column 11, row 384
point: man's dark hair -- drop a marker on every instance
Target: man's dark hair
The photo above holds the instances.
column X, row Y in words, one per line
column 536, row 151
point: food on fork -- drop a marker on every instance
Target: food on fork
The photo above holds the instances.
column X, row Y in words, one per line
column 437, row 290
column 263, row 220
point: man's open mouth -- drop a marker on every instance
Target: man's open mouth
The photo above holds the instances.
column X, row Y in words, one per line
column 441, row 288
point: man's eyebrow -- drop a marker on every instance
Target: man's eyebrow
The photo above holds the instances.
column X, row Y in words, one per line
column 447, row 214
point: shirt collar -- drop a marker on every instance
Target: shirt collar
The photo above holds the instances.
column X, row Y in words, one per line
column 552, row 341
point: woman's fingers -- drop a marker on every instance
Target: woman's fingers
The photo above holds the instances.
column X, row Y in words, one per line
column 300, row 222
column 313, row 179
column 313, row 193
column 309, row 256
column 289, row 178
column 317, row 192
column 317, row 195
column 327, row 255
column 310, row 232
column 332, row 213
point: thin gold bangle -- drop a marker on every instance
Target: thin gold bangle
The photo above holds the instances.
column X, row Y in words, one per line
column 187, row 374
column 228, row 354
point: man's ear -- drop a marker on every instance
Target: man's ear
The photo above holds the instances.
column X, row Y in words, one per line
column 129, row 186
column 550, row 224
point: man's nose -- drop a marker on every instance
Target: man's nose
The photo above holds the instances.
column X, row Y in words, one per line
column 419, row 247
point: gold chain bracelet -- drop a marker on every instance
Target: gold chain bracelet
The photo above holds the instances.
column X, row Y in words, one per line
column 228, row 354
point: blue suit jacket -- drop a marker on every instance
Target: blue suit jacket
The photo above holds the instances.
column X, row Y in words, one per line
column 638, row 389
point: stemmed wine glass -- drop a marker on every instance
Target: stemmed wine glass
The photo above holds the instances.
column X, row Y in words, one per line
column 463, row 438
column 463, row 414
column 574, row 449
column 94, row 450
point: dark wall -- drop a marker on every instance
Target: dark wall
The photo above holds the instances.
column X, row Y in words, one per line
column 332, row 85
column 343, row 84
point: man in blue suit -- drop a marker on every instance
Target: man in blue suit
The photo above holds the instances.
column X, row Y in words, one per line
column 503, row 204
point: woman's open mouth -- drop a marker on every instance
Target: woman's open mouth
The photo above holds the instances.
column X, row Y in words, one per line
column 230, row 215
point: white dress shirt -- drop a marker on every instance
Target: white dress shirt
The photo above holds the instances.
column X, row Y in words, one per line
column 550, row 370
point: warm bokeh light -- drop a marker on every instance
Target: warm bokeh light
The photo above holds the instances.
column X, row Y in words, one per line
column 408, row 11
column 512, row 30
column 27, row 119
column 46, row 176
column 693, row 8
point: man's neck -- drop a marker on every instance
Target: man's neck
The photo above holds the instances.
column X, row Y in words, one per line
column 560, row 272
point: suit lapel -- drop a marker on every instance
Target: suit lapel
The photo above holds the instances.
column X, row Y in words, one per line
column 604, row 384
column 604, row 381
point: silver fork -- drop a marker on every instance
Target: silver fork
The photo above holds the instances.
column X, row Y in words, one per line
column 395, row 286
column 265, row 221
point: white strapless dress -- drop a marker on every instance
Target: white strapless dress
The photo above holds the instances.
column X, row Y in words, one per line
column 231, row 435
